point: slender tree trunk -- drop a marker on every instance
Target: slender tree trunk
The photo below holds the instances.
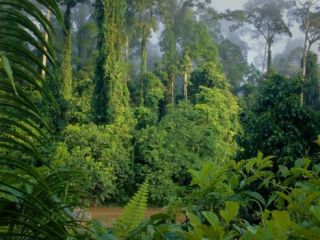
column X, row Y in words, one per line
column 126, row 56
column 80, row 52
column 143, row 55
column 187, row 65
column 143, row 67
column 170, row 89
column 185, row 85
column 305, row 47
column 305, row 50
column 305, row 53
column 264, row 57
column 44, row 57
column 269, row 61
column 67, row 65
column 127, row 49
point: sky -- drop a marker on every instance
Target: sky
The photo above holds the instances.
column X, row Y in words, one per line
column 225, row 4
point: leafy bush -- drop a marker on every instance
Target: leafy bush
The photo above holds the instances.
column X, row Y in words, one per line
column 104, row 153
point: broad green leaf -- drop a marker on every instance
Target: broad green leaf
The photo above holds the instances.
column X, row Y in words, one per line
column 230, row 212
column 194, row 219
column 212, row 218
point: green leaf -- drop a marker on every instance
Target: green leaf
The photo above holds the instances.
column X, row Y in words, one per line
column 256, row 196
column 7, row 68
column 230, row 212
column 302, row 163
column 282, row 220
column 284, row 170
column 212, row 218
column 194, row 219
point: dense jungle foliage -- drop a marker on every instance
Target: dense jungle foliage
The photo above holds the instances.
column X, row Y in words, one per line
column 144, row 103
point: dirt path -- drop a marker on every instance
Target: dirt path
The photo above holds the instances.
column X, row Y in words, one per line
column 106, row 215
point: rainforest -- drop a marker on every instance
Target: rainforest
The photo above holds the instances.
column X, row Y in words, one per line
column 192, row 119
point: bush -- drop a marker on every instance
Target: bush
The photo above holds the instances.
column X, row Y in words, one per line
column 104, row 153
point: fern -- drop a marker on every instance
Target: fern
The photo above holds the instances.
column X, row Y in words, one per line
column 133, row 212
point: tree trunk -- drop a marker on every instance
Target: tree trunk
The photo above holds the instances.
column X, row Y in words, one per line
column 305, row 50
column 305, row 53
column 67, row 64
column 127, row 49
column 143, row 55
column 126, row 56
column 185, row 85
column 80, row 53
column 44, row 57
column 170, row 89
column 187, row 65
column 269, row 61
column 143, row 67
column 264, row 57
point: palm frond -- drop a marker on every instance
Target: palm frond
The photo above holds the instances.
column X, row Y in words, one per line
column 35, row 202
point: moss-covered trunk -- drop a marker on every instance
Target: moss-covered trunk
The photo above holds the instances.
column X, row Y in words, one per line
column 67, row 64
column 111, row 95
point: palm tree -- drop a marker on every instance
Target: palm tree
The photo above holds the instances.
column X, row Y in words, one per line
column 35, row 200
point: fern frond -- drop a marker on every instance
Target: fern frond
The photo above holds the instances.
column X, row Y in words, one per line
column 133, row 212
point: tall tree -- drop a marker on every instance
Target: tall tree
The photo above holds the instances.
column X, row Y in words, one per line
column 196, row 45
column 307, row 14
column 266, row 17
column 111, row 96
column 168, row 43
column 314, row 28
column 85, row 31
column 186, row 69
column 67, row 48
column 170, row 60
column 144, row 22
column 181, row 33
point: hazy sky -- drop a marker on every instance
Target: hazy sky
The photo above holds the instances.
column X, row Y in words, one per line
column 225, row 4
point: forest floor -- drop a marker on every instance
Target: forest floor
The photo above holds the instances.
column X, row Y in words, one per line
column 106, row 215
